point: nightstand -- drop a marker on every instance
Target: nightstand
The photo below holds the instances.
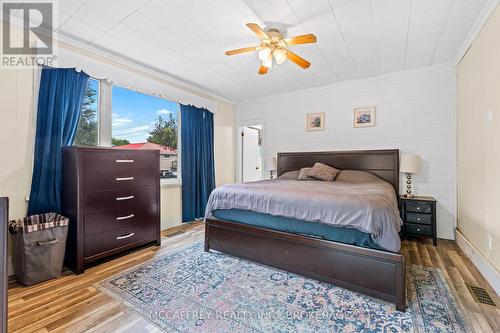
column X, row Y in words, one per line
column 419, row 217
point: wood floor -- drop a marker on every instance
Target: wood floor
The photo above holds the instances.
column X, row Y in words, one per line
column 72, row 303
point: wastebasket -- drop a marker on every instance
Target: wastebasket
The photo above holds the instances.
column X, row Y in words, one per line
column 38, row 246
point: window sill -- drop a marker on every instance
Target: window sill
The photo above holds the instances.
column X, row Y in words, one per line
column 170, row 183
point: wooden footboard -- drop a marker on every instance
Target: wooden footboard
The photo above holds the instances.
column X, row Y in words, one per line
column 371, row 272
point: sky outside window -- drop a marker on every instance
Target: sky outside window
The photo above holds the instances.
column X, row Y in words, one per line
column 135, row 114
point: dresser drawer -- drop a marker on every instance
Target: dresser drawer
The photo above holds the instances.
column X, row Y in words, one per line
column 120, row 159
column 129, row 201
column 418, row 229
column 117, row 218
column 119, row 238
column 418, row 218
column 419, row 207
column 98, row 180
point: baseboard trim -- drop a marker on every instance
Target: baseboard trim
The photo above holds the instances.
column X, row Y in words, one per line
column 10, row 268
column 490, row 273
column 171, row 221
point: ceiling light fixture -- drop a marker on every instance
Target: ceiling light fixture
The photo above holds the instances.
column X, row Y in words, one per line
column 273, row 46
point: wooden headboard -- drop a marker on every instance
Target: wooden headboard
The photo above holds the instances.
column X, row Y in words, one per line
column 382, row 163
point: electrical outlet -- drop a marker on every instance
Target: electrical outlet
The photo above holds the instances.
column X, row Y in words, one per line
column 489, row 240
column 490, row 115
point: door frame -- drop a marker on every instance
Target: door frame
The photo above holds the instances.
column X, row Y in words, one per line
column 239, row 146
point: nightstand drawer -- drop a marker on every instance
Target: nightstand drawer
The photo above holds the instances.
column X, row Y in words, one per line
column 419, row 207
column 418, row 218
column 418, row 229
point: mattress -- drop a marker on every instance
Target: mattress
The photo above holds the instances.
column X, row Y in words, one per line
column 320, row 230
column 355, row 200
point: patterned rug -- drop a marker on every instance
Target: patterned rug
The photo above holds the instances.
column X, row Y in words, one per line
column 190, row 290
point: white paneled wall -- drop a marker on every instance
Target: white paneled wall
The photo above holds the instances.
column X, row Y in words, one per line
column 416, row 112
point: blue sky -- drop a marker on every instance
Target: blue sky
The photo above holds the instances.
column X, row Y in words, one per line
column 134, row 113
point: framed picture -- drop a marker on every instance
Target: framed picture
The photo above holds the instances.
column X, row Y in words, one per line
column 364, row 117
column 315, row 121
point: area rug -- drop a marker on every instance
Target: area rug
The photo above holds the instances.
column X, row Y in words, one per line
column 190, row 290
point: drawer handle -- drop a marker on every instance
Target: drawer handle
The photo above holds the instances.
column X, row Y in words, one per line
column 51, row 242
column 125, row 236
column 418, row 229
column 418, row 218
column 418, row 208
column 119, row 218
column 124, row 161
column 125, row 198
column 124, row 178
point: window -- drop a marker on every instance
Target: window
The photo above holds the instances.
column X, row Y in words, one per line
column 87, row 131
column 138, row 121
column 141, row 121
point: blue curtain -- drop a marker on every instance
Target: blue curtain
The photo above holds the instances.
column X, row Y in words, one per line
column 198, row 175
column 60, row 102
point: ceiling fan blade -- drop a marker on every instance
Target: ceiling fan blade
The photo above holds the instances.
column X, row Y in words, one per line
column 258, row 30
column 304, row 39
column 263, row 70
column 242, row 50
column 298, row 60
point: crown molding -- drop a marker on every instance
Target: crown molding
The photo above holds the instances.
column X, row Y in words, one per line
column 143, row 69
column 146, row 70
column 448, row 66
column 481, row 21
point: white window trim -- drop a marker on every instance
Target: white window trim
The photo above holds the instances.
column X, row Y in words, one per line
column 105, row 116
column 178, row 181
column 105, row 126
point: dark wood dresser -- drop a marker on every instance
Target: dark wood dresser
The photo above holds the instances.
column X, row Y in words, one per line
column 419, row 216
column 112, row 197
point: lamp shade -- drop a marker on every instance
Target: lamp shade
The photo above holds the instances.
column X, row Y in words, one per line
column 280, row 56
column 264, row 54
column 410, row 164
column 271, row 164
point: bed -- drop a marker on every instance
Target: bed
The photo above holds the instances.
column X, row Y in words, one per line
column 359, row 251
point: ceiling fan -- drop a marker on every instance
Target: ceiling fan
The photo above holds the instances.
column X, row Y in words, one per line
column 274, row 47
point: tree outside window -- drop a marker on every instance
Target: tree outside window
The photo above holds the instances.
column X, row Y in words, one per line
column 141, row 121
column 87, row 131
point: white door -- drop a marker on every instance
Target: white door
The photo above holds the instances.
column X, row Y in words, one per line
column 251, row 153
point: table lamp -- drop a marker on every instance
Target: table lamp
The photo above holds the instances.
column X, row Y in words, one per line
column 271, row 166
column 410, row 164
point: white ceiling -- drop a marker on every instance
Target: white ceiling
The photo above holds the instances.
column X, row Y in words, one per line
column 356, row 38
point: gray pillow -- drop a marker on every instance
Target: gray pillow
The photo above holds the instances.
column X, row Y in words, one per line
column 303, row 174
column 323, row 172
column 290, row 175
column 356, row 177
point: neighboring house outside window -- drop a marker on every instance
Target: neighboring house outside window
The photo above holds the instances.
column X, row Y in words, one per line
column 168, row 157
column 141, row 121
